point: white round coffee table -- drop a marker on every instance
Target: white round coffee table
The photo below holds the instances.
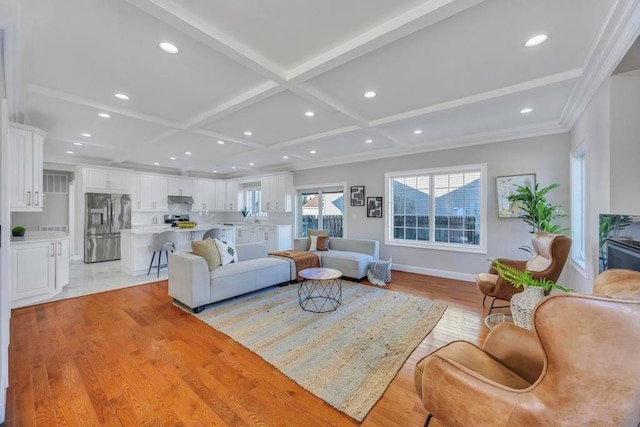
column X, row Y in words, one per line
column 320, row 290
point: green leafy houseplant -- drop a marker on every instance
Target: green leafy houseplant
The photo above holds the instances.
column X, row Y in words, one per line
column 524, row 278
column 538, row 212
column 244, row 212
column 18, row 230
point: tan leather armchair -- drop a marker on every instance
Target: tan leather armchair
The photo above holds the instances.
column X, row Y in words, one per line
column 550, row 252
column 578, row 367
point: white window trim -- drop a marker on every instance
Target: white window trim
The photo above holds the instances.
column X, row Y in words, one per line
column 388, row 224
column 318, row 187
column 581, row 151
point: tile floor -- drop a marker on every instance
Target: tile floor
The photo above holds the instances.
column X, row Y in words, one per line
column 85, row 279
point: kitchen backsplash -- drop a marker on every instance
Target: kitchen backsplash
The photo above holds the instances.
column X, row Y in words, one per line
column 151, row 218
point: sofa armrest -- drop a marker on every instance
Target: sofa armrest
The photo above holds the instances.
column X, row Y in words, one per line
column 189, row 279
column 301, row 244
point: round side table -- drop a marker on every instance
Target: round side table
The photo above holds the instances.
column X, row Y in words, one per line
column 321, row 289
column 495, row 319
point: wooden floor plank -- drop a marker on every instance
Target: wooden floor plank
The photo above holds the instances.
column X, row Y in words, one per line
column 130, row 357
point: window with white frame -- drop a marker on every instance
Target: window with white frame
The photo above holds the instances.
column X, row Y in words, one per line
column 578, row 207
column 252, row 202
column 443, row 208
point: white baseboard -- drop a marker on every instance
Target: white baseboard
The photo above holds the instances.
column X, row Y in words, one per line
column 3, row 404
column 435, row 272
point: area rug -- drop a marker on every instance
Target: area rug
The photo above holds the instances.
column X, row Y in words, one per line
column 346, row 357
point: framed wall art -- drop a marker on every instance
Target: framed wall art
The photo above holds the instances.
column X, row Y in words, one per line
column 506, row 186
column 357, row 195
column 374, row 207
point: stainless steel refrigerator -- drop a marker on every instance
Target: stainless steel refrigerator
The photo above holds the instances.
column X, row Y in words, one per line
column 105, row 215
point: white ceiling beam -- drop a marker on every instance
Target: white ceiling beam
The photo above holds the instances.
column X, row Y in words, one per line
column 227, row 138
column 145, row 146
column 314, row 137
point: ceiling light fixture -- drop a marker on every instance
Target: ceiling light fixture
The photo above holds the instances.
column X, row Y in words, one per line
column 156, row 164
column 69, row 152
column 172, row 158
column 221, row 142
column 370, row 94
column 252, row 164
column 215, row 171
column 285, row 157
column 526, row 110
column 188, row 153
column 169, row 47
column 122, row 96
column 248, row 133
column 368, row 141
column 312, row 151
column 233, row 167
column 536, row 40
column 309, row 114
column 104, row 115
column 86, row 135
column 77, row 143
column 417, row 132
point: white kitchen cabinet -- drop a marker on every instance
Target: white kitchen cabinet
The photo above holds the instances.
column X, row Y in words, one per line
column 105, row 180
column 135, row 192
column 204, row 195
column 220, row 195
column 25, row 149
column 179, row 186
column 276, row 192
column 232, row 196
column 275, row 237
column 153, row 193
column 39, row 269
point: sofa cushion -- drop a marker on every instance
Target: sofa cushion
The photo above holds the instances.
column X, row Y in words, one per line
column 322, row 243
column 228, row 253
column 208, row 250
column 351, row 264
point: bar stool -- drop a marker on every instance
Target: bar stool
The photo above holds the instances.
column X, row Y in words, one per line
column 214, row 233
column 163, row 242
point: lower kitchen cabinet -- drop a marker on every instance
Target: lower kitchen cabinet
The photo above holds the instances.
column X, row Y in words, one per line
column 276, row 237
column 39, row 269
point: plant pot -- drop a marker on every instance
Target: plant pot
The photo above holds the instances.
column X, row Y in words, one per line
column 17, row 233
column 522, row 305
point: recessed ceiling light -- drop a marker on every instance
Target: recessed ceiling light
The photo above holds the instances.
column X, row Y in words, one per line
column 221, row 142
column 368, row 141
column 252, row 164
column 104, row 115
column 169, row 47
column 188, row 153
column 526, row 110
column 172, row 158
column 285, row 157
column 69, row 152
column 86, row 135
column 417, row 132
column 215, row 171
column 370, row 94
column 233, row 167
column 312, row 151
column 122, row 96
column 156, row 164
column 536, row 40
column 77, row 143
column 309, row 114
column 248, row 133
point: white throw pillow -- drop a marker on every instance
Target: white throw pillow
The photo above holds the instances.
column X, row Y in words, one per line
column 313, row 243
column 227, row 252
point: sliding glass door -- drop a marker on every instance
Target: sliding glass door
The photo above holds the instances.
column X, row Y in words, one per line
column 320, row 210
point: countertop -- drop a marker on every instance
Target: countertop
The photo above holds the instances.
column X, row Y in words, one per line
column 153, row 229
column 38, row 236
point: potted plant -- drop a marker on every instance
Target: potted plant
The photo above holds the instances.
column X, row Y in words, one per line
column 534, row 291
column 538, row 212
column 245, row 212
column 18, row 231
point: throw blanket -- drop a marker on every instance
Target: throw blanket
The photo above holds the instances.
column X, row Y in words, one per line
column 303, row 259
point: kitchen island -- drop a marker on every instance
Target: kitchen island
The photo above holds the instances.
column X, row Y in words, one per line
column 135, row 243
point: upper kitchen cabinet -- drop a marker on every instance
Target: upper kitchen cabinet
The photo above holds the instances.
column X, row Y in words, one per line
column 232, row 196
column 276, row 192
column 180, row 186
column 204, row 195
column 151, row 195
column 106, row 180
column 25, row 174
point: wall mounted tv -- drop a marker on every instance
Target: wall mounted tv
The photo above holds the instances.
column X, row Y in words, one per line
column 619, row 242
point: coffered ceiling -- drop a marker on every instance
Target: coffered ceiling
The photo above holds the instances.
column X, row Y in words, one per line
column 457, row 71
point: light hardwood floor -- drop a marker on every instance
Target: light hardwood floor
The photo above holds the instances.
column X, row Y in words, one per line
column 130, row 357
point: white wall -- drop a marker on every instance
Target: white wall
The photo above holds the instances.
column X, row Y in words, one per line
column 546, row 156
column 625, row 143
column 593, row 130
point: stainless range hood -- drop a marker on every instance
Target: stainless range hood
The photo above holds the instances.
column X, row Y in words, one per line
column 180, row 200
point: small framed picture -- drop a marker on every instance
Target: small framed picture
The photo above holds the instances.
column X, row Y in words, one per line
column 506, row 186
column 374, row 207
column 357, row 195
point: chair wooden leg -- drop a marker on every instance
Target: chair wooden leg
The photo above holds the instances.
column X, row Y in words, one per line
column 426, row 423
column 151, row 264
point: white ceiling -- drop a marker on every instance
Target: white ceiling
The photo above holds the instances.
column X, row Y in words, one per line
column 456, row 69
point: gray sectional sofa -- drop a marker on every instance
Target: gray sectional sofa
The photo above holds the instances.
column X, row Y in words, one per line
column 192, row 284
column 350, row 256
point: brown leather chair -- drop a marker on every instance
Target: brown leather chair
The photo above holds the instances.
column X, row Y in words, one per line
column 550, row 252
column 618, row 283
column 578, row 367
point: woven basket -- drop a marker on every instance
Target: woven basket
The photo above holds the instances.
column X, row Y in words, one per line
column 522, row 305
